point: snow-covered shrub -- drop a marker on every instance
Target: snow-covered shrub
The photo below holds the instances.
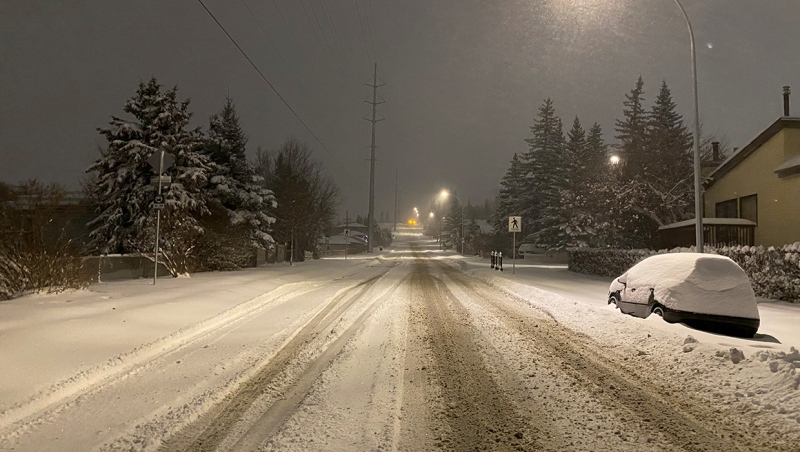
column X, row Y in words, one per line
column 604, row 262
column 773, row 272
column 34, row 254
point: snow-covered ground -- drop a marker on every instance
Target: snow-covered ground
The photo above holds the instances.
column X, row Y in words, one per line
column 409, row 349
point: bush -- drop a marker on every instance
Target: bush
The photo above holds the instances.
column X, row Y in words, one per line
column 34, row 255
column 773, row 272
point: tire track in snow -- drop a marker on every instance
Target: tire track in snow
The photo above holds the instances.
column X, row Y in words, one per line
column 477, row 412
column 238, row 423
column 19, row 418
column 678, row 418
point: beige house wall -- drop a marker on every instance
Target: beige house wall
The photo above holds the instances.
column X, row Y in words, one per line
column 778, row 198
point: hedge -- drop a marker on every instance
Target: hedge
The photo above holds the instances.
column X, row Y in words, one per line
column 774, row 272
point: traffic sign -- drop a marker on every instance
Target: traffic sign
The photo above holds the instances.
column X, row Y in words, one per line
column 165, row 180
column 158, row 202
column 514, row 224
column 154, row 160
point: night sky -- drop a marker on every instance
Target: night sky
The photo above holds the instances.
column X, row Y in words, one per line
column 464, row 78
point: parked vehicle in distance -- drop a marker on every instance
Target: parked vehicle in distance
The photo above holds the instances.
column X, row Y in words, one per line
column 705, row 291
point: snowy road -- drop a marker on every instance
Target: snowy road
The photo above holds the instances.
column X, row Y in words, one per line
column 411, row 351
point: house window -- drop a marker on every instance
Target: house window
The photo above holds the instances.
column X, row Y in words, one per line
column 727, row 209
column 749, row 208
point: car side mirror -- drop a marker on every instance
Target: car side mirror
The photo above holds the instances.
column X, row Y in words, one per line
column 623, row 279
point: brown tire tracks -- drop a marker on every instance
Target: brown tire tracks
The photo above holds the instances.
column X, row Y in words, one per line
column 681, row 419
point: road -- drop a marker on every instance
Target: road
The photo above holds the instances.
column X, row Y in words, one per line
column 408, row 354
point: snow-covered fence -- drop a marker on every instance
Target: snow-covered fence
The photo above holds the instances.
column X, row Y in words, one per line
column 774, row 272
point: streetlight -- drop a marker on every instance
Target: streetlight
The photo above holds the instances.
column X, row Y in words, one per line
column 698, row 201
column 614, row 159
column 444, row 194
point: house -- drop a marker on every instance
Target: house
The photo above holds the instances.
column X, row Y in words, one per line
column 760, row 182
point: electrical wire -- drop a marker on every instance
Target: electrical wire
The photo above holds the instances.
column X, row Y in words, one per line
column 296, row 78
column 267, row 81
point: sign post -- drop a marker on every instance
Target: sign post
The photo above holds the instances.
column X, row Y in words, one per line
column 514, row 226
column 157, row 160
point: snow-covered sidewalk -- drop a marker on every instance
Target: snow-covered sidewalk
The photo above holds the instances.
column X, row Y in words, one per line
column 759, row 375
column 52, row 342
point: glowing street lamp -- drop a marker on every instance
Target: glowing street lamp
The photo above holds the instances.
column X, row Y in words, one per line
column 614, row 159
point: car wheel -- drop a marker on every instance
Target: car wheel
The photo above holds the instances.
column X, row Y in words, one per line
column 612, row 299
column 659, row 311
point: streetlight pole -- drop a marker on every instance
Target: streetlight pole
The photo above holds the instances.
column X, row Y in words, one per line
column 698, row 194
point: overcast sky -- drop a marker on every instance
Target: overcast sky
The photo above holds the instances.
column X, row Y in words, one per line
column 464, row 78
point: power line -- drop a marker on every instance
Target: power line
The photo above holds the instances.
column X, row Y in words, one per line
column 346, row 33
column 266, row 80
column 363, row 35
column 330, row 49
column 338, row 41
column 297, row 79
column 328, row 55
column 286, row 24
column 369, row 17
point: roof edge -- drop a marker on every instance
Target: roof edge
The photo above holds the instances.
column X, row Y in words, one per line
column 739, row 156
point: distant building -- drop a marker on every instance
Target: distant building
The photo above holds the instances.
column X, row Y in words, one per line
column 761, row 183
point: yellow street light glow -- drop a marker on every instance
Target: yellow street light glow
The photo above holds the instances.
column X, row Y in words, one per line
column 614, row 159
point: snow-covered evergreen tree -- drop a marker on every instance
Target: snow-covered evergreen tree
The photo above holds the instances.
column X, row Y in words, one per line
column 126, row 220
column 546, row 174
column 509, row 201
column 452, row 224
column 632, row 132
column 669, row 178
column 232, row 181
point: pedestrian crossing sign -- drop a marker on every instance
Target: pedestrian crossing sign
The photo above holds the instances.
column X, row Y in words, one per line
column 514, row 224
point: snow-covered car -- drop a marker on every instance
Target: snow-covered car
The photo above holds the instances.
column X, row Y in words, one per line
column 704, row 290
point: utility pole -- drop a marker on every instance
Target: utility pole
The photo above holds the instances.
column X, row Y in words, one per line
column 395, row 201
column 374, row 103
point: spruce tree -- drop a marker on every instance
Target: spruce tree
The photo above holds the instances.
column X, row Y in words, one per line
column 595, row 159
column 509, row 201
column 546, row 174
column 575, row 152
column 233, row 183
column 632, row 132
column 670, row 175
column 126, row 219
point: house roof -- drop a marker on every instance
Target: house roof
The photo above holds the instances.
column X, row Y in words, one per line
column 791, row 122
column 351, row 225
column 709, row 222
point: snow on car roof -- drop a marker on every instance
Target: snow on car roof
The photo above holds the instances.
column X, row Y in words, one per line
column 696, row 282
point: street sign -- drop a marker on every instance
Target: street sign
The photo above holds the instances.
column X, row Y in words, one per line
column 154, row 160
column 158, row 202
column 514, row 224
column 165, row 180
